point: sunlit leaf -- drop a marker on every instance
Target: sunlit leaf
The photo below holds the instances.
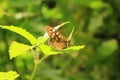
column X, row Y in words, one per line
column 47, row 50
column 21, row 32
column 11, row 75
column 42, row 39
column 17, row 49
column 73, row 49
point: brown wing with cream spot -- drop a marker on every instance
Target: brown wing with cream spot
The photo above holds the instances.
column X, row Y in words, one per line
column 57, row 40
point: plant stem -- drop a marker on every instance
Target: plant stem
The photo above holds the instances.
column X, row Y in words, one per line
column 42, row 59
column 34, row 70
column 36, row 58
column 35, row 66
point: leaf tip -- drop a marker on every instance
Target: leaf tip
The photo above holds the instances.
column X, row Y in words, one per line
column 83, row 46
column 11, row 58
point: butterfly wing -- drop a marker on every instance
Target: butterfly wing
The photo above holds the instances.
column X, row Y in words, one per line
column 57, row 40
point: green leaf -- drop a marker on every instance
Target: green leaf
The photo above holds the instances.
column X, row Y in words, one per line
column 17, row 49
column 11, row 75
column 97, row 4
column 94, row 4
column 48, row 50
column 22, row 32
column 73, row 49
column 41, row 40
column 108, row 47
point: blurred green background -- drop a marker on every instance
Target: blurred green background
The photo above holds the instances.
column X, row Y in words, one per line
column 97, row 25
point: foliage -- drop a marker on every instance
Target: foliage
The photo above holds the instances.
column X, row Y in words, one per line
column 11, row 75
column 17, row 49
column 96, row 24
column 22, row 32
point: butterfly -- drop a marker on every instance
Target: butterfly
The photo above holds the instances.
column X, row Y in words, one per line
column 57, row 40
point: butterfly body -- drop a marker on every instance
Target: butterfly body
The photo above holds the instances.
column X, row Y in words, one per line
column 57, row 40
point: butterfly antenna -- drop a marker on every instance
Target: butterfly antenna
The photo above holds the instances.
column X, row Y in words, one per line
column 57, row 27
column 70, row 36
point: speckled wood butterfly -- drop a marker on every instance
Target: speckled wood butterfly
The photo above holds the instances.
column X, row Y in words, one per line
column 57, row 40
